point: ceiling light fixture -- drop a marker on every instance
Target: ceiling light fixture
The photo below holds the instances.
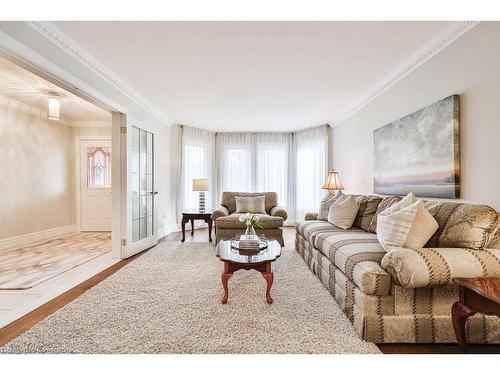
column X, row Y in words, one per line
column 54, row 108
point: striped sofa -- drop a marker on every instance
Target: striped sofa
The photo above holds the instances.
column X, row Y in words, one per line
column 405, row 296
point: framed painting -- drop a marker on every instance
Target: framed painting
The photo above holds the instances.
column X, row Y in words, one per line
column 420, row 152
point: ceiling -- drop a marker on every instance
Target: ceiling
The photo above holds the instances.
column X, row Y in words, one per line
column 18, row 84
column 253, row 76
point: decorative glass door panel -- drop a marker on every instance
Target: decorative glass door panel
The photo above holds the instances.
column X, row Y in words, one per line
column 142, row 184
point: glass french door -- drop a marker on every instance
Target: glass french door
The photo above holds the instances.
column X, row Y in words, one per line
column 141, row 218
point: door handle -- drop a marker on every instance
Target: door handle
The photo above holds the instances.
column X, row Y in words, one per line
column 153, row 192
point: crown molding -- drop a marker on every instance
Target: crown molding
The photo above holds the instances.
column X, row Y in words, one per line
column 425, row 53
column 70, row 46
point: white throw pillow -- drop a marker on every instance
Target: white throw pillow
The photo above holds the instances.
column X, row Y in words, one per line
column 255, row 205
column 406, row 224
column 326, row 203
column 343, row 212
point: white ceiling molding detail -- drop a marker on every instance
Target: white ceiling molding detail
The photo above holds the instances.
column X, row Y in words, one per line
column 420, row 57
column 59, row 38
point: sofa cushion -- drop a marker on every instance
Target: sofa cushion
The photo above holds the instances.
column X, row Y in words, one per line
column 310, row 228
column 368, row 205
column 347, row 248
column 411, row 226
column 229, row 201
column 428, row 267
column 383, row 205
column 232, row 221
column 495, row 241
column 250, row 204
column 463, row 225
column 343, row 212
column 371, row 278
column 325, row 204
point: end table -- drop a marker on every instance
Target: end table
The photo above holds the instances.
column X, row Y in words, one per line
column 477, row 295
column 192, row 216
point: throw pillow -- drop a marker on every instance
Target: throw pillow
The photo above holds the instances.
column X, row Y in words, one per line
column 405, row 224
column 255, row 205
column 386, row 202
column 343, row 212
column 325, row 205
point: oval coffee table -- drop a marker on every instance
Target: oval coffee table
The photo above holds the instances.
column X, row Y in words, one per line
column 234, row 261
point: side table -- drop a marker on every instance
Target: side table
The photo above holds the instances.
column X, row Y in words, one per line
column 477, row 295
column 192, row 216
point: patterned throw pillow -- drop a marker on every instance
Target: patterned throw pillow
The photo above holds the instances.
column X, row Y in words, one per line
column 343, row 212
column 367, row 208
column 405, row 224
column 255, row 205
column 464, row 225
column 325, row 205
column 385, row 204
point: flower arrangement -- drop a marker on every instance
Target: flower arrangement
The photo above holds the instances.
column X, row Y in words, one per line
column 251, row 220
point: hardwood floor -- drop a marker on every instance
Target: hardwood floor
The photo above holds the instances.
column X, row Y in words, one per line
column 201, row 235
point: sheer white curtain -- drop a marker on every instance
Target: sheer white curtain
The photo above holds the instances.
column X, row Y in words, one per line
column 198, row 161
column 234, row 158
column 311, row 161
column 255, row 162
column 272, row 165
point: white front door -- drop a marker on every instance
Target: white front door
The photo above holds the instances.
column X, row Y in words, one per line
column 95, row 185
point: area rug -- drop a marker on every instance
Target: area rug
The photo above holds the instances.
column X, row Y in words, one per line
column 167, row 301
column 25, row 267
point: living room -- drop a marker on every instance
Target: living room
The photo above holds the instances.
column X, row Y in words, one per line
column 280, row 186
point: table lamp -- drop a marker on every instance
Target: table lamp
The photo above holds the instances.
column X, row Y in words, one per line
column 333, row 183
column 201, row 185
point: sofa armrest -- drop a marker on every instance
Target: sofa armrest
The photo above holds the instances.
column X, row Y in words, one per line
column 311, row 216
column 279, row 211
column 220, row 212
column 431, row 267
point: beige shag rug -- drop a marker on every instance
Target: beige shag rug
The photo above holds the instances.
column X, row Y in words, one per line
column 167, row 301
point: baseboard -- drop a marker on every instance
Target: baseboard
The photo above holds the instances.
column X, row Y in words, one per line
column 32, row 238
column 167, row 230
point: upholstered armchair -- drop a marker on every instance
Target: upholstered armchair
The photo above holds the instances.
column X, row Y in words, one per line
column 228, row 225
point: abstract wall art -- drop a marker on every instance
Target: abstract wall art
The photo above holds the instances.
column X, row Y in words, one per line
column 420, row 152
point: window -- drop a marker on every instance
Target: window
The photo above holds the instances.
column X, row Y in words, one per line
column 272, row 170
column 311, row 169
column 98, row 167
column 197, row 155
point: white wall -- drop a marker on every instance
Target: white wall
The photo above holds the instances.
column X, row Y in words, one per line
column 469, row 67
column 36, row 173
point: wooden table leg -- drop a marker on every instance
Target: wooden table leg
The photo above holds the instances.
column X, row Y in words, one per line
column 268, row 276
column 183, row 224
column 459, row 315
column 209, row 222
column 192, row 227
column 226, row 275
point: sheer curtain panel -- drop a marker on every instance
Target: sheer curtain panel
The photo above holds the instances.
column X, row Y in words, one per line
column 198, row 154
column 311, row 160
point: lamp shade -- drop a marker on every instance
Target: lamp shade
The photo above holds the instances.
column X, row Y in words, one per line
column 333, row 181
column 200, row 184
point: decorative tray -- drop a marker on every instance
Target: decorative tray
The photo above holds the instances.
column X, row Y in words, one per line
column 251, row 246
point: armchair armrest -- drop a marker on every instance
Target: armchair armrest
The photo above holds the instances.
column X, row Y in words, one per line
column 311, row 216
column 279, row 211
column 431, row 267
column 220, row 212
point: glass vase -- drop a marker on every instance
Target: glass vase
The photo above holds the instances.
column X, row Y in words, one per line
column 250, row 232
